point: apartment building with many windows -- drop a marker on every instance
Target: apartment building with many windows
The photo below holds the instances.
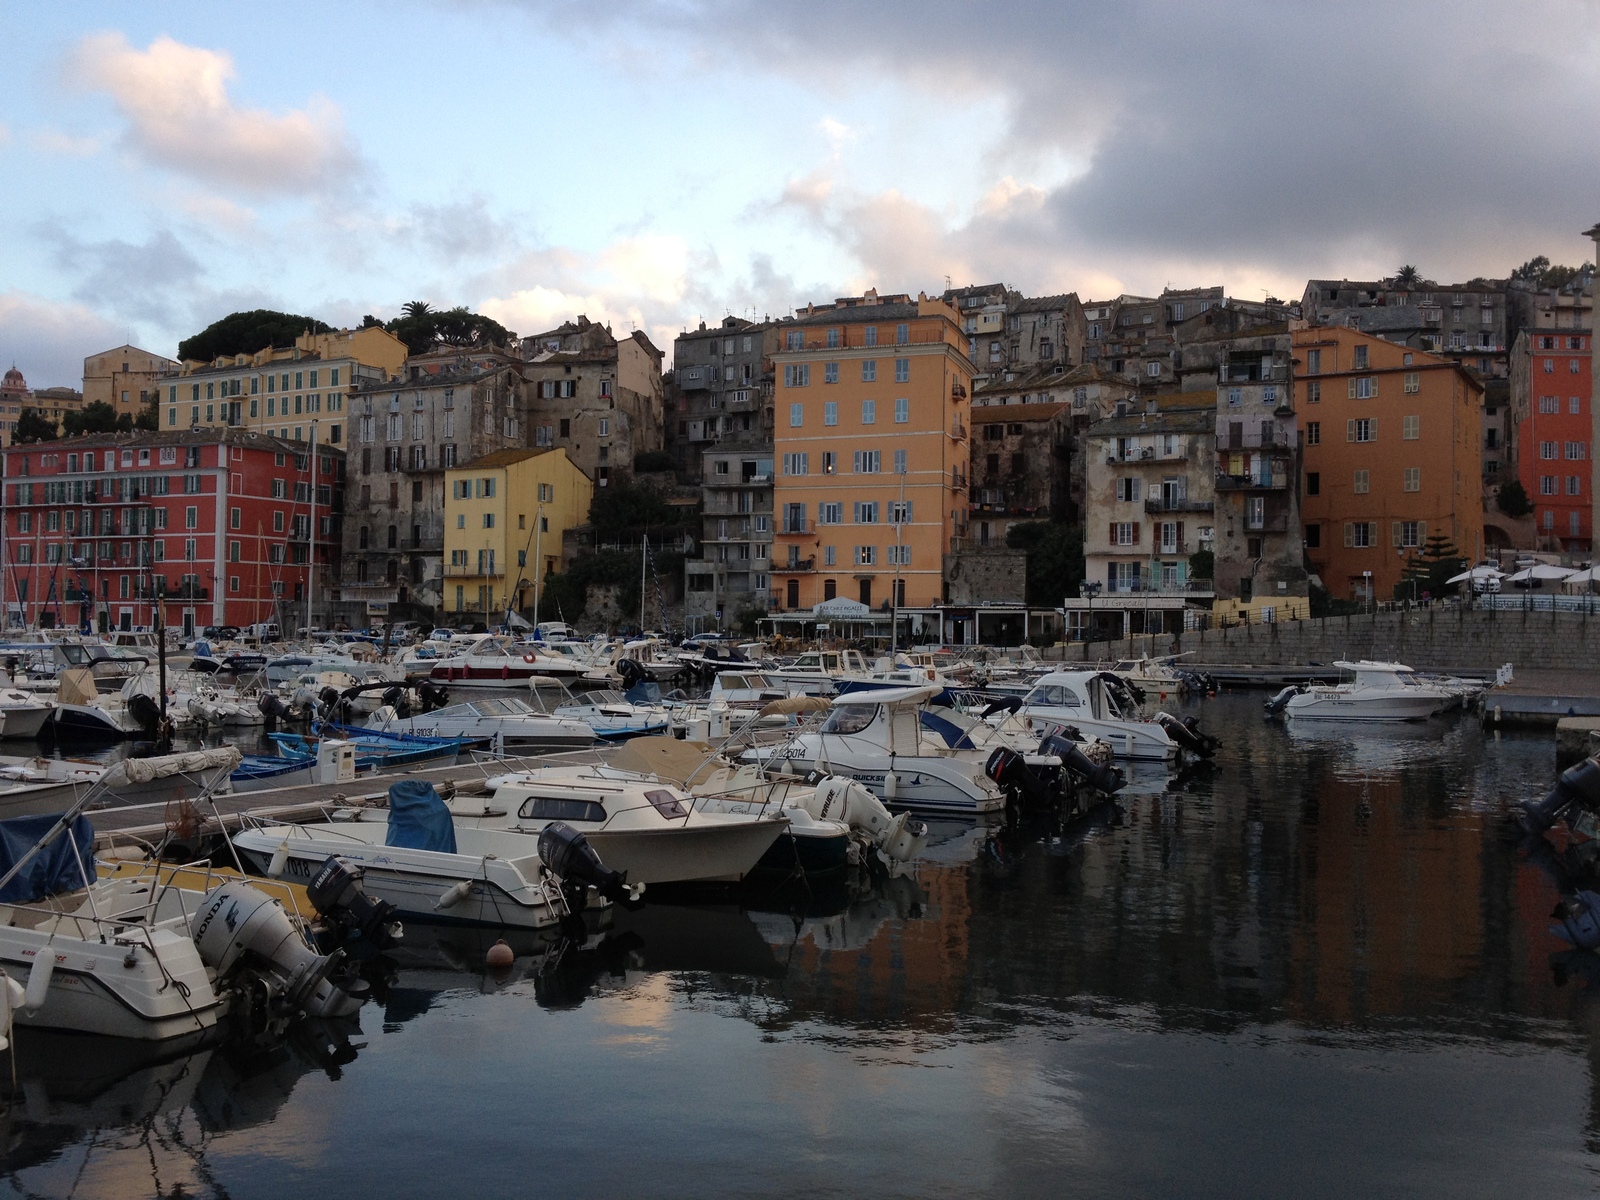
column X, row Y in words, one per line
column 126, row 378
column 1390, row 439
column 225, row 523
column 872, row 451
column 1552, row 413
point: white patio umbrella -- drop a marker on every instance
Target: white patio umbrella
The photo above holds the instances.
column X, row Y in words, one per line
column 1477, row 573
column 1541, row 571
column 1587, row 576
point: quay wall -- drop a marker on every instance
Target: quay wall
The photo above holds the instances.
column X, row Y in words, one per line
column 1437, row 637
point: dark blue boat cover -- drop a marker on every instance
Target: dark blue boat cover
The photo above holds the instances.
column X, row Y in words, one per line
column 646, row 692
column 418, row 818
column 55, row 868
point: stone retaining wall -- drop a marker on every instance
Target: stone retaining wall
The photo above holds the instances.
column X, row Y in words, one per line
column 1439, row 636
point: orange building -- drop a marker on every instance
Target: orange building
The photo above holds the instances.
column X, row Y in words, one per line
column 871, row 397
column 1390, row 457
column 1550, row 405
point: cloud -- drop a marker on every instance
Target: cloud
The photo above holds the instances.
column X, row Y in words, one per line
column 459, row 230
column 48, row 341
column 180, row 117
column 154, row 281
column 53, row 141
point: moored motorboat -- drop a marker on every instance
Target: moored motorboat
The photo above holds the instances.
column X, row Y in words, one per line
column 1102, row 706
column 1368, row 691
column 508, row 721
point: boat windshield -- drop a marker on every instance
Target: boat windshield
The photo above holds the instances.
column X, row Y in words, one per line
column 1054, row 695
column 666, row 803
column 561, row 808
column 507, row 707
column 595, row 699
column 850, row 718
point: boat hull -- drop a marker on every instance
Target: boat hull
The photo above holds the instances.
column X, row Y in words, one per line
column 24, row 722
column 720, row 853
column 1139, row 741
column 814, row 853
column 85, row 722
column 1355, row 708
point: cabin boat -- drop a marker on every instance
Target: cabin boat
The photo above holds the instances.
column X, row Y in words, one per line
column 1097, row 706
column 1370, row 691
column 818, row 672
column 23, row 714
column 650, row 830
column 510, row 719
column 878, row 739
column 612, row 715
column 492, row 661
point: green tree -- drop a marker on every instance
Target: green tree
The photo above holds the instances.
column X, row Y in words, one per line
column 1055, row 558
column 1407, row 276
column 1202, row 565
column 1430, row 570
column 625, row 511
column 96, row 417
column 419, row 326
column 247, row 332
column 1513, row 499
column 654, row 460
column 34, row 426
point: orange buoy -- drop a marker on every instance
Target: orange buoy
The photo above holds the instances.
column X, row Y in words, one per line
column 500, row 955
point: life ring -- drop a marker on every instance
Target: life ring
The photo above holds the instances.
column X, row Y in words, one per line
column 528, row 658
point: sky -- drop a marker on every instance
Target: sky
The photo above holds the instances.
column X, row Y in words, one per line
column 656, row 163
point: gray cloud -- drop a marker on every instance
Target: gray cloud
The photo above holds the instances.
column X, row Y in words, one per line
column 1262, row 139
column 152, row 282
column 48, row 341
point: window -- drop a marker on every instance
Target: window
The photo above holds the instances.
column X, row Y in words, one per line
column 1313, row 393
column 830, row 412
column 1407, row 534
column 830, row 372
column 830, row 462
column 1574, row 405
column 1362, row 483
column 1359, row 534
column 1549, row 485
column 796, row 464
column 605, row 427
column 1124, row 533
column 866, row 512
column 899, row 512
column 1363, row 388
column 1362, row 429
column 1313, row 483
column 1413, row 479
column 902, row 335
column 797, row 375
column 277, row 521
column 867, row 462
column 1153, row 370
column 902, row 410
column 1549, row 366
column 902, row 370
column 797, row 415
column 1574, row 485
column 1313, row 433
column 1313, row 537
column 866, row 556
column 869, row 370
column 1549, row 404
column 1413, row 383
column 869, row 412
column 1576, row 451
column 1547, row 450
column 899, row 462
column 1572, row 365
column 1313, row 362
column 1128, row 489
column 830, row 512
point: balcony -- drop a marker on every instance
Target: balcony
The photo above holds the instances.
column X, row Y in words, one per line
column 958, row 430
column 1252, row 483
column 468, row 572
column 794, row 526
column 797, row 566
column 1181, row 505
column 189, row 591
column 1190, row 587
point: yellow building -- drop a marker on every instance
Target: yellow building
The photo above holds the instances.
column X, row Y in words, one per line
column 504, row 514
column 871, row 446
column 125, row 378
column 296, row 392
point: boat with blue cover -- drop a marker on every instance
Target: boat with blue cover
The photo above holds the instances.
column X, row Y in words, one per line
column 376, row 748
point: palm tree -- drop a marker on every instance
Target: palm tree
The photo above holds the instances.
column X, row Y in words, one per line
column 416, row 308
column 1407, row 276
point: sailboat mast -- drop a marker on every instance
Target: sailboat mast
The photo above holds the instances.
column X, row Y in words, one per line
column 644, row 555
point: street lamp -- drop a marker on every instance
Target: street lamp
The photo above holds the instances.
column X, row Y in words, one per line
column 1089, row 588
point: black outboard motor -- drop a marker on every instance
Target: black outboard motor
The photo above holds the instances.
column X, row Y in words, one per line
column 1281, row 701
column 398, row 698
column 1107, row 778
column 336, row 892
column 1187, row 734
column 1578, row 784
column 1012, row 772
column 432, row 696
column 272, row 707
column 145, row 711
column 631, row 673
column 567, row 855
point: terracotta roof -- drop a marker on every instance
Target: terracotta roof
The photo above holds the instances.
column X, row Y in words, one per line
column 500, row 458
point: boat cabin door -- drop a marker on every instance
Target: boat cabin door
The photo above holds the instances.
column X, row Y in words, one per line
column 905, row 730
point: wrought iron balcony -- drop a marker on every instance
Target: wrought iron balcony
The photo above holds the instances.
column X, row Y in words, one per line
column 1155, row 504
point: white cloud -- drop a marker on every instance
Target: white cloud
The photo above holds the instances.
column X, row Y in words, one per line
column 48, row 341
column 180, row 117
column 53, row 141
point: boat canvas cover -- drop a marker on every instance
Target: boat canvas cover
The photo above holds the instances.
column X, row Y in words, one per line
column 418, row 818
column 65, row 865
column 643, row 693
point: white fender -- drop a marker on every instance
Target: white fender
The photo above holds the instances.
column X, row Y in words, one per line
column 39, row 975
column 280, row 860
column 455, row 895
column 12, row 995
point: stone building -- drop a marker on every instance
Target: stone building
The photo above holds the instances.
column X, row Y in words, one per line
column 1463, row 322
column 1137, row 337
column 453, row 406
column 596, row 396
column 1149, row 497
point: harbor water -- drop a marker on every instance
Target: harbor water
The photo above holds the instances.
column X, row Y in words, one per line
column 1320, row 968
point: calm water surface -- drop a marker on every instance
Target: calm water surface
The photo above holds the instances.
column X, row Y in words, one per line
column 1321, row 969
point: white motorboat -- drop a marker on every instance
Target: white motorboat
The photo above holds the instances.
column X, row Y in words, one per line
column 877, row 738
column 1098, row 706
column 1368, row 691
column 817, row 672
column 82, row 712
column 141, row 955
column 43, row 785
column 745, row 689
column 509, row 719
column 651, row 831
column 23, row 714
column 611, row 715
column 495, row 662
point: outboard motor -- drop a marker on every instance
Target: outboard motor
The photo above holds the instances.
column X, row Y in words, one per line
column 1281, row 701
column 631, row 673
column 1103, row 777
column 338, row 895
column 1578, row 784
column 567, row 855
column 1187, row 734
column 398, row 699
column 1011, row 771
column 240, row 929
column 272, row 706
column 145, row 711
column 901, row 837
column 432, row 696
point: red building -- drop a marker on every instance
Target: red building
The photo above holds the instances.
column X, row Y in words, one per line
column 219, row 520
column 1551, row 390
